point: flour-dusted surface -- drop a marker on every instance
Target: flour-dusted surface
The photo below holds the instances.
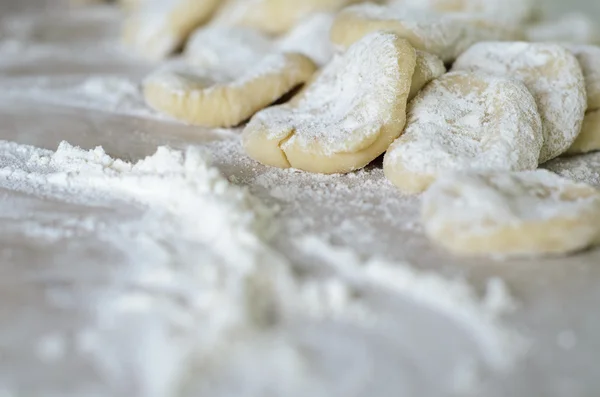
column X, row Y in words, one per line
column 101, row 277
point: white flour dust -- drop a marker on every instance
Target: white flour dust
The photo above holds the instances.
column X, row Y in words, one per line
column 195, row 284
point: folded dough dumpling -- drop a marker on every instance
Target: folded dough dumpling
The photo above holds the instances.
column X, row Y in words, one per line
column 532, row 213
column 346, row 117
column 446, row 35
column 225, row 96
column 465, row 121
column 274, row 17
column 157, row 28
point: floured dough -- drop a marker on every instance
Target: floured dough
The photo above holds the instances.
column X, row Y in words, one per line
column 348, row 115
column 241, row 47
column 443, row 34
column 550, row 72
column 221, row 98
column 232, row 48
column 274, row 17
column 514, row 11
column 583, row 168
column 512, row 214
column 571, row 27
column 465, row 121
column 159, row 27
column 589, row 59
column 428, row 68
column 311, row 38
column 589, row 138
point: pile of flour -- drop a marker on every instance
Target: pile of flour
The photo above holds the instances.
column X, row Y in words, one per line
column 197, row 295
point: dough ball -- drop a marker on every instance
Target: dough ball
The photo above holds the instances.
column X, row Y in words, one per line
column 221, row 97
column 465, row 121
column 531, row 213
column 349, row 114
column 274, row 17
column 160, row 27
column 443, row 34
column 224, row 47
column 551, row 73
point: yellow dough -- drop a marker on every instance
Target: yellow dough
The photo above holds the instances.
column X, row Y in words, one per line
column 273, row 16
column 346, row 117
column 429, row 67
column 589, row 137
column 531, row 213
column 443, row 34
column 465, row 121
column 159, row 27
column 513, row 11
column 221, row 97
column 553, row 76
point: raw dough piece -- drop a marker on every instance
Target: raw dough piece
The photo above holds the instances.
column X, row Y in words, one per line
column 513, row 11
column 159, row 27
column 589, row 59
column 551, row 73
column 217, row 98
column 232, row 48
column 589, row 138
column 583, row 168
column 573, row 27
column 465, row 121
column 512, row 214
column 429, row 67
column 444, row 34
column 347, row 117
column 274, row 17
column 311, row 38
column 239, row 47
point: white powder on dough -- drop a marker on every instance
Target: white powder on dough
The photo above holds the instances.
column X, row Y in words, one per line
column 582, row 168
column 311, row 38
column 345, row 106
column 446, row 35
column 465, row 121
column 552, row 75
column 202, row 286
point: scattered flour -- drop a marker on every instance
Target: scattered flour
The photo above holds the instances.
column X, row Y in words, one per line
column 202, row 286
column 109, row 93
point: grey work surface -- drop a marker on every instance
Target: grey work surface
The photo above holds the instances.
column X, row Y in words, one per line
column 559, row 297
